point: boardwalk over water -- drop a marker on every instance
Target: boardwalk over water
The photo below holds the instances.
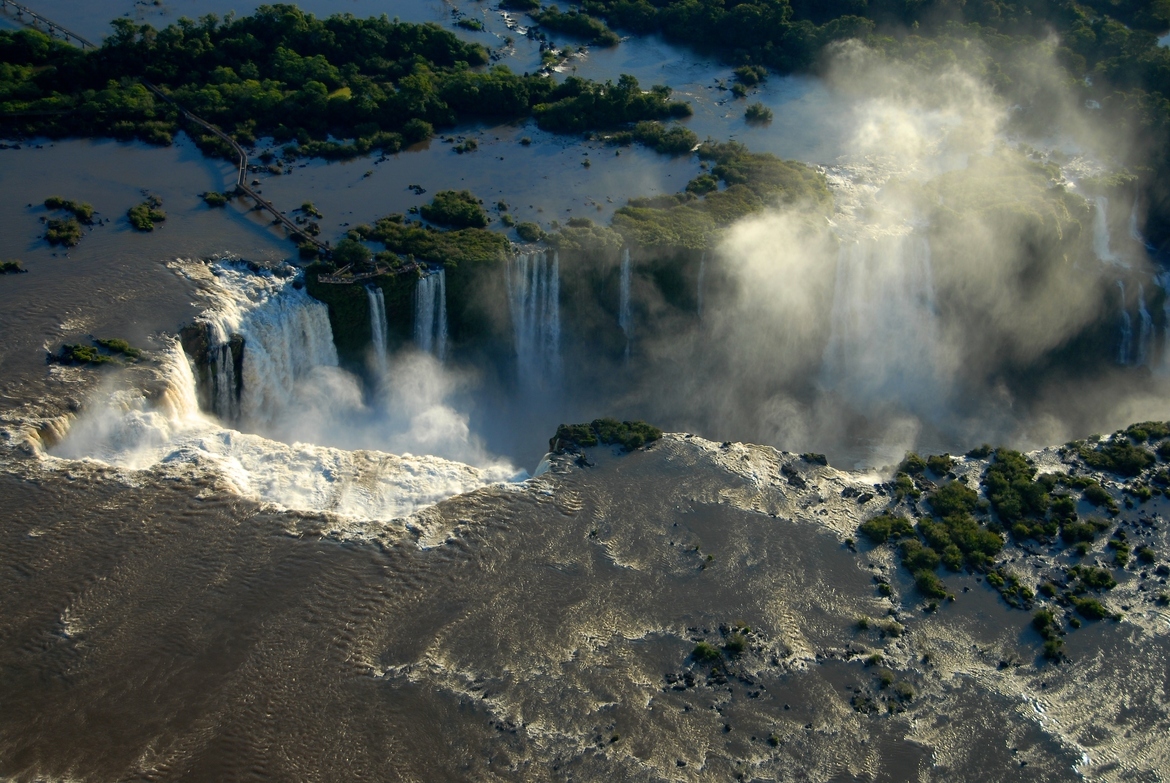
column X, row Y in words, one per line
column 32, row 18
column 23, row 11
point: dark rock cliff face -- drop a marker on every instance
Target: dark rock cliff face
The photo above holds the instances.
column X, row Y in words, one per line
column 349, row 312
column 197, row 344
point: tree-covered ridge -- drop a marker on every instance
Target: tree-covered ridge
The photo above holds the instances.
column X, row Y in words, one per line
column 287, row 73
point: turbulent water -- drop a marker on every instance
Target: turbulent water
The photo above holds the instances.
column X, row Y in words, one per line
column 287, row 343
column 286, row 334
column 430, row 314
column 534, row 286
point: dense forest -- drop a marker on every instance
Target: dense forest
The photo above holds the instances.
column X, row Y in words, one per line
column 286, row 73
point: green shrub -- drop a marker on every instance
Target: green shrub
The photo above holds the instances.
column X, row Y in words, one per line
column 904, row 487
column 751, row 75
column 1090, row 608
column 1053, row 648
column 981, row 452
column 930, row 585
column 143, row 216
column 628, row 434
column 1011, row 490
column 1118, row 456
column 459, row 209
column 884, row 526
column 736, row 644
column 705, row 652
column 63, row 231
column 940, row 464
column 82, row 211
column 81, row 354
column 213, row 199
column 952, row 498
column 530, row 232
column 757, row 112
column 11, row 268
column 916, row 557
column 116, row 345
column 1146, row 555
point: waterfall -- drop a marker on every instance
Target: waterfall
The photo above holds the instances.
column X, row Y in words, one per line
column 625, row 317
column 884, row 344
column 534, row 293
column 430, row 314
column 1145, row 328
column 378, row 327
column 1101, row 241
column 1134, row 233
column 1126, row 347
column 699, row 285
column 264, row 335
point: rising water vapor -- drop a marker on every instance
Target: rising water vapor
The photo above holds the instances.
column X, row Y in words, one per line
column 966, row 269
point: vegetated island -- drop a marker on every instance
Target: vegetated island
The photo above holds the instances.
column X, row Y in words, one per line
column 961, row 514
column 66, row 230
column 378, row 84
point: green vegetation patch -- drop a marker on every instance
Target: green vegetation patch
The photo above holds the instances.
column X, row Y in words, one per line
column 672, row 140
column 692, row 220
column 425, row 243
column 11, row 268
column 458, row 209
column 82, row 211
column 629, row 435
column 143, row 216
column 577, row 25
column 213, row 199
column 119, row 346
column 103, row 351
column 885, row 526
column 332, row 87
column 583, row 105
column 1118, row 456
column 757, row 113
column 63, row 231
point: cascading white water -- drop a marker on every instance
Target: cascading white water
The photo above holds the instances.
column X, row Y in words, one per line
column 378, row 328
column 283, row 350
column 286, row 333
column 884, row 344
column 699, row 285
column 1125, row 348
column 534, row 294
column 625, row 317
column 1145, row 329
column 430, row 314
column 1102, row 244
